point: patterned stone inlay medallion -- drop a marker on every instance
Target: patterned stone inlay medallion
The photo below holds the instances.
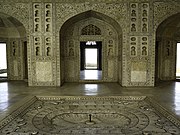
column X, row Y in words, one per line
column 92, row 115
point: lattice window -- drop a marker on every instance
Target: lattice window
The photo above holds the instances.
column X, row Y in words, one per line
column 91, row 30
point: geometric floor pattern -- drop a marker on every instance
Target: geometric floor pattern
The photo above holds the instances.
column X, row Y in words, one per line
column 89, row 115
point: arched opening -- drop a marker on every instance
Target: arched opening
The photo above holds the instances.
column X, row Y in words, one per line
column 95, row 36
column 167, row 37
column 13, row 41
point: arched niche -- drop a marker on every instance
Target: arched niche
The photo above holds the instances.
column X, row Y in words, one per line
column 167, row 36
column 71, row 36
column 13, row 33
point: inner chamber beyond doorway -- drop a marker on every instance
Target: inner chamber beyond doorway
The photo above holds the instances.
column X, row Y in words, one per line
column 91, row 60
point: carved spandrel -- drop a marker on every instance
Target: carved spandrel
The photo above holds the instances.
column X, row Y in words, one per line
column 163, row 10
column 18, row 10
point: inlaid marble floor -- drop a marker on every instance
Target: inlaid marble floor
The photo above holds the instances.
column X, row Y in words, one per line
column 166, row 94
column 89, row 115
column 91, row 74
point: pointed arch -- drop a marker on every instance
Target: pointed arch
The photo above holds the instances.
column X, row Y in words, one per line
column 13, row 33
column 85, row 26
column 167, row 36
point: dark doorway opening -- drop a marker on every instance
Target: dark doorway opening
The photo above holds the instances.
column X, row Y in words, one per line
column 157, row 77
column 91, row 60
column 25, row 62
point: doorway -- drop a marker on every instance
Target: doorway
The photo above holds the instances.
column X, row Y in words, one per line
column 3, row 61
column 178, row 61
column 91, row 60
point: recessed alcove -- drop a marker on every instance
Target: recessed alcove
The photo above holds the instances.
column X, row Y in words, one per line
column 14, row 44
column 168, row 35
column 77, row 36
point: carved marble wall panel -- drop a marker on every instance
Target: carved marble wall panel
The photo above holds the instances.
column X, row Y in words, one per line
column 138, row 72
column 144, row 17
column 48, row 48
column 134, row 15
column 37, row 8
column 137, row 21
column 37, row 46
column 43, row 44
column 166, row 69
column 139, row 17
column 15, row 67
column 70, row 70
column 48, row 17
column 138, row 53
column 44, row 71
column 133, row 46
column 15, row 61
column 139, row 43
column 144, row 45
column 166, row 59
column 110, row 68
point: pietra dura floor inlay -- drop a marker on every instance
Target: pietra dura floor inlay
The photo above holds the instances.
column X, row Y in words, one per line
column 83, row 115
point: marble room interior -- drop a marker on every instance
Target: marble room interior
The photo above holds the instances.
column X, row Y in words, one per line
column 47, row 41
